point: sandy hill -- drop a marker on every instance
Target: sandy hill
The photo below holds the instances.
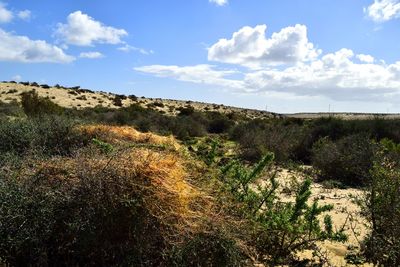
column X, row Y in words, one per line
column 75, row 97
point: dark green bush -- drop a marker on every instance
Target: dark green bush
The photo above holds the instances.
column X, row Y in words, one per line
column 48, row 135
column 381, row 206
column 347, row 160
column 256, row 137
column 34, row 105
column 212, row 248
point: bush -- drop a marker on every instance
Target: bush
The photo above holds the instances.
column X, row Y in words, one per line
column 381, row 206
column 212, row 248
column 117, row 101
column 95, row 210
column 256, row 137
column 47, row 135
column 34, row 105
column 347, row 160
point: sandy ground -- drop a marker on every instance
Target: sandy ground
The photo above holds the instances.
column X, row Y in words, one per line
column 345, row 213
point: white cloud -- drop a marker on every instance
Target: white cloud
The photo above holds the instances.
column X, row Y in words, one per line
column 383, row 10
column 91, row 55
column 219, row 2
column 25, row 15
column 5, row 14
column 16, row 78
column 335, row 76
column 288, row 64
column 250, row 47
column 128, row 48
column 204, row 73
column 22, row 49
column 83, row 30
column 366, row 58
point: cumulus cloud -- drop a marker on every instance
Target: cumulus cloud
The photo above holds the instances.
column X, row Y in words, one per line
column 219, row 2
column 128, row 48
column 91, row 55
column 287, row 63
column 83, row 30
column 5, row 14
column 250, row 47
column 22, row 49
column 383, row 10
column 336, row 76
column 25, row 15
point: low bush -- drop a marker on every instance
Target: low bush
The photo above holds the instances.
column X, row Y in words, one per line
column 212, row 248
column 93, row 209
column 49, row 135
column 35, row 105
column 381, row 207
column 347, row 160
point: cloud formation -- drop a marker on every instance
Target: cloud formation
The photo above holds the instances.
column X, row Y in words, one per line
column 383, row 10
column 22, row 49
column 83, row 30
column 91, row 55
column 128, row 48
column 5, row 14
column 25, row 15
column 202, row 73
column 250, row 47
column 341, row 76
column 219, row 2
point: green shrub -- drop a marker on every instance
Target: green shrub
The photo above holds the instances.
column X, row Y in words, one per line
column 12, row 109
column 48, row 135
column 381, row 206
column 212, row 248
column 347, row 160
column 256, row 137
column 34, row 105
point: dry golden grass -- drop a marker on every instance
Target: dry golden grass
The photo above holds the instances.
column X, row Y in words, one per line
column 123, row 134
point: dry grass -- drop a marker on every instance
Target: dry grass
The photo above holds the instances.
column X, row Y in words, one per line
column 123, row 134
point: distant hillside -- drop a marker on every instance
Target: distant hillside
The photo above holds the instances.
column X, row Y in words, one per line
column 76, row 97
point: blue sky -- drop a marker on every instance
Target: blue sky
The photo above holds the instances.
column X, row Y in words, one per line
column 286, row 56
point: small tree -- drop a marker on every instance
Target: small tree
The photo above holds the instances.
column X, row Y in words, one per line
column 34, row 105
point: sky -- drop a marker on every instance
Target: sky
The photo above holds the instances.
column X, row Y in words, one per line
column 283, row 56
